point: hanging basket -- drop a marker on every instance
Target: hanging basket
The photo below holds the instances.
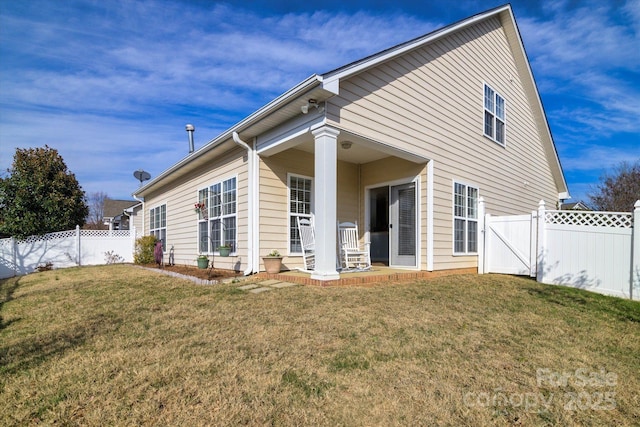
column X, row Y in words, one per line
column 202, row 211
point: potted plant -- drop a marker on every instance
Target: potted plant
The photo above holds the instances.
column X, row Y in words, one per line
column 224, row 250
column 203, row 261
column 273, row 262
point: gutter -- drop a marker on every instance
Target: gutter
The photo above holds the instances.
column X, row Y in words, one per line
column 252, row 211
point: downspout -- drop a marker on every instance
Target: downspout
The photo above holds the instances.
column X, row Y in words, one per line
column 250, row 208
column 256, row 207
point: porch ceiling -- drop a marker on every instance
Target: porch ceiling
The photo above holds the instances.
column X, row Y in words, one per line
column 362, row 150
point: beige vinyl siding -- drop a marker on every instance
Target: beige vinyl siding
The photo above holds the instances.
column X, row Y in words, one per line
column 274, row 210
column 430, row 102
column 182, row 222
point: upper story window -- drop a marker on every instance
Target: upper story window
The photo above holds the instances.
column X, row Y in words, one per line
column 494, row 115
column 300, row 195
column 465, row 219
column 219, row 226
column 158, row 224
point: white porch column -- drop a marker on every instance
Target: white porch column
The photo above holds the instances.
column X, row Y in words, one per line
column 325, row 190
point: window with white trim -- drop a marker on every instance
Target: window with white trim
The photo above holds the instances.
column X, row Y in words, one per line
column 300, row 196
column 494, row 115
column 158, row 224
column 465, row 219
column 217, row 221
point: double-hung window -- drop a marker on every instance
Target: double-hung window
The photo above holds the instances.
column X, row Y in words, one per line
column 158, row 224
column 300, row 197
column 217, row 225
column 494, row 115
column 465, row 219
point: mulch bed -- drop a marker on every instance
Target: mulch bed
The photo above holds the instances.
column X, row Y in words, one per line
column 201, row 273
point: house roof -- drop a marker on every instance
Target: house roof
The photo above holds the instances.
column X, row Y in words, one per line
column 113, row 208
column 324, row 86
column 576, row 206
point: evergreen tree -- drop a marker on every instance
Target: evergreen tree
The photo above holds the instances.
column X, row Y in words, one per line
column 40, row 195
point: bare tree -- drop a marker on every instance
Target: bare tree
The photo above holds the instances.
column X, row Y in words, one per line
column 96, row 210
column 618, row 191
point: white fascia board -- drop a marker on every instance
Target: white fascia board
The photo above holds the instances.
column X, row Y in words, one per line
column 287, row 131
column 269, row 108
column 538, row 101
column 331, row 80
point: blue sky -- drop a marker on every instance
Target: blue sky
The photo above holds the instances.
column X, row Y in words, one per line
column 111, row 84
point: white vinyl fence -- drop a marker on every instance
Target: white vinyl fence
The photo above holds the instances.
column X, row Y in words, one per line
column 65, row 249
column 597, row 251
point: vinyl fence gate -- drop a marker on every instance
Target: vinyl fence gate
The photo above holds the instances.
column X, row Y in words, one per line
column 597, row 251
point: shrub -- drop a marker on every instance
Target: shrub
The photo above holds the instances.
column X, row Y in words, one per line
column 111, row 257
column 144, row 250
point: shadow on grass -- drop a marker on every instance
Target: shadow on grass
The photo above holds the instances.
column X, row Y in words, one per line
column 40, row 347
column 621, row 309
column 7, row 289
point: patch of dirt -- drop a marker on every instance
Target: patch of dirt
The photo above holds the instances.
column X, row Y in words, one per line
column 201, row 273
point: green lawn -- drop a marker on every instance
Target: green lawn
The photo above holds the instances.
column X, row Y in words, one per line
column 118, row 345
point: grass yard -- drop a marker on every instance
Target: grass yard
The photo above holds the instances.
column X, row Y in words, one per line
column 118, row 345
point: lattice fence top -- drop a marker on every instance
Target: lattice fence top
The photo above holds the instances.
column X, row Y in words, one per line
column 72, row 233
column 105, row 233
column 50, row 236
column 591, row 219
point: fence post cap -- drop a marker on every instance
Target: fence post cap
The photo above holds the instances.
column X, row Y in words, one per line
column 637, row 204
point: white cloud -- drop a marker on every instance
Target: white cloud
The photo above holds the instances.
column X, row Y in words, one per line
column 101, row 149
column 588, row 54
column 596, row 158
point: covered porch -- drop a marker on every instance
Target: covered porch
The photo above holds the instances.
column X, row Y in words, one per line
column 387, row 191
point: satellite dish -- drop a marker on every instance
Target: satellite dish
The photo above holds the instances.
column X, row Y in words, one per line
column 141, row 176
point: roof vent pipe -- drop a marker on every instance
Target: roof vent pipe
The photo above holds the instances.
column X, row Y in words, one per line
column 190, row 128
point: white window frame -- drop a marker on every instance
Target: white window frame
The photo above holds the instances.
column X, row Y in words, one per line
column 221, row 207
column 158, row 225
column 465, row 215
column 495, row 111
column 292, row 215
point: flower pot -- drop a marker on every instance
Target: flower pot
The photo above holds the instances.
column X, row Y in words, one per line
column 203, row 262
column 224, row 251
column 272, row 264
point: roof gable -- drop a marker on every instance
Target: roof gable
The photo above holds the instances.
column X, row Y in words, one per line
column 331, row 80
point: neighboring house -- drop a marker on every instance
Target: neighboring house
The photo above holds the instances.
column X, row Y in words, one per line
column 116, row 213
column 404, row 141
column 577, row 206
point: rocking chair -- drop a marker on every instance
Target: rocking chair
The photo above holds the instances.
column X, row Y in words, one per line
column 308, row 242
column 352, row 254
